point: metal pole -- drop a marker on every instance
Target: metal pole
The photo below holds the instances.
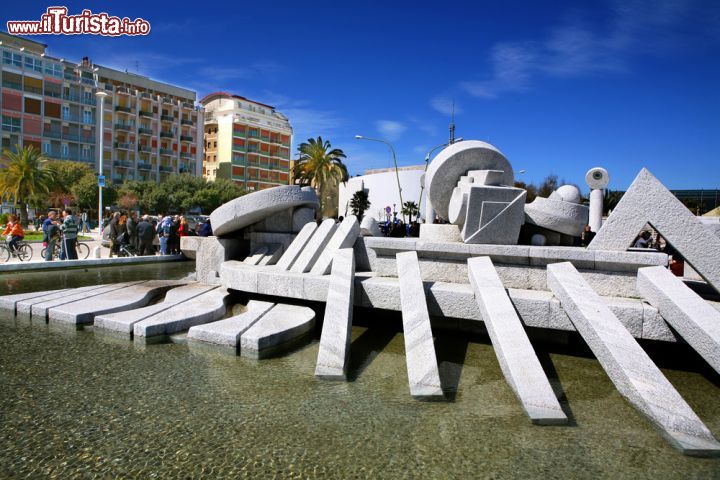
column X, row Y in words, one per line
column 397, row 173
column 102, row 96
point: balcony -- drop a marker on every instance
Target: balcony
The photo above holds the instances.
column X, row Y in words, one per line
column 123, row 90
column 166, row 169
column 70, row 118
column 167, row 118
column 71, row 137
column 124, row 126
column 186, row 122
column 146, row 113
column 145, row 131
column 70, row 76
column 89, row 101
column 52, row 134
column 88, row 81
column 166, row 151
column 145, row 166
column 87, row 139
column 146, row 96
column 71, row 97
column 13, row 85
column 166, row 134
column 122, row 164
column 125, row 146
column 188, row 105
column 122, row 108
column 186, row 138
column 145, row 148
column 187, row 155
column 167, row 101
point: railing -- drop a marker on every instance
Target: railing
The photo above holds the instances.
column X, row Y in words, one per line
column 168, row 101
column 122, row 164
column 88, row 121
column 167, row 118
column 71, row 97
column 70, row 76
column 71, row 137
column 124, row 126
column 187, row 155
column 145, row 166
column 123, row 90
column 70, row 118
column 166, row 168
column 89, row 101
column 31, row 89
column 145, row 148
column 125, row 146
column 122, row 108
column 13, row 85
column 166, row 134
column 145, row 131
column 52, row 134
column 186, row 122
column 87, row 139
column 186, row 138
column 88, row 81
column 146, row 113
column 166, row 151
column 188, row 105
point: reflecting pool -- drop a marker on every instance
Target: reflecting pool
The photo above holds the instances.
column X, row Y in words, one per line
column 81, row 404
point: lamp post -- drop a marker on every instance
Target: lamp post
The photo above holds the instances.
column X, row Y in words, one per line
column 397, row 173
column 101, row 95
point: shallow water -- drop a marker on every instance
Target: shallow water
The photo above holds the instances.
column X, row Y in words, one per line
column 80, row 404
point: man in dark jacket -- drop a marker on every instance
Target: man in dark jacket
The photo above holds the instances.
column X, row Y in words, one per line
column 131, row 227
column 145, row 236
column 114, row 232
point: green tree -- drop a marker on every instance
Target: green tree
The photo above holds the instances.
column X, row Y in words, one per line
column 359, row 203
column 319, row 165
column 23, row 176
column 85, row 192
column 529, row 188
column 410, row 208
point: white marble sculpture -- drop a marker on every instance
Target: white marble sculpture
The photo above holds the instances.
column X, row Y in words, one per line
column 561, row 212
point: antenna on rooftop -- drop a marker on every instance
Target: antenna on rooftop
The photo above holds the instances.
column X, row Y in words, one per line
column 452, row 125
column 137, row 67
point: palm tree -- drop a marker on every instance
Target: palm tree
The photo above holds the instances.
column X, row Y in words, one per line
column 410, row 208
column 359, row 203
column 23, row 176
column 318, row 165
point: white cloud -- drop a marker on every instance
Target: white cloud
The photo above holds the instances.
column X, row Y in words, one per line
column 575, row 48
column 390, row 129
column 445, row 105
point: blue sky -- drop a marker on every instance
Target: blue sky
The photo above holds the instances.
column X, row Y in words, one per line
column 559, row 87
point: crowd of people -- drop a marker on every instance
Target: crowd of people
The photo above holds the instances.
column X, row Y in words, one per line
column 131, row 234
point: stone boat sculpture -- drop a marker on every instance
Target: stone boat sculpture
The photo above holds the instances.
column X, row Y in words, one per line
column 270, row 248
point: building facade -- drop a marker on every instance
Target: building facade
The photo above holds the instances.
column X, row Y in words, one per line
column 150, row 129
column 245, row 141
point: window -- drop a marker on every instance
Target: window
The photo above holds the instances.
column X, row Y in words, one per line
column 53, row 69
column 10, row 124
column 10, row 58
column 86, row 152
column 32, row 63
column 65, row 112
column 87, row 117
column 46, row 148
column 88, row 97
column 64, row 150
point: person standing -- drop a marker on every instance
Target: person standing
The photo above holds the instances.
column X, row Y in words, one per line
column 145, row 235
column 163, row 229
column 113, row 230
column 49, row 228
column 69, row 229
column 131, row 226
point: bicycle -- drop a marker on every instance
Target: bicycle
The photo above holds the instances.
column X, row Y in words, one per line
column 23, row 251
column 82, row 250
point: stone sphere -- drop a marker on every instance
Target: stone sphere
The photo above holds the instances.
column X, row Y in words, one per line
column 569, row 193
column 538, row 240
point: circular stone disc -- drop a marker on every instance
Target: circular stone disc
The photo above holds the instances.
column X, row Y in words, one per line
column 455, row 161
column 253, row 207
column 597, row 178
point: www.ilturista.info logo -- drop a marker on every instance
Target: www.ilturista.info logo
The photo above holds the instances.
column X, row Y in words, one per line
column 56, row 21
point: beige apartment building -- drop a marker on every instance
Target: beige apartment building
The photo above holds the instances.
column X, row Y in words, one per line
column 245, row 141
column 151, row 129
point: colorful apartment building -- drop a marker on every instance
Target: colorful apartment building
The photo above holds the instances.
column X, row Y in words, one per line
column 245, row 141
column 151, row 129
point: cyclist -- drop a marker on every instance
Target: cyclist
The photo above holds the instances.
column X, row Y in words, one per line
column 14, row 233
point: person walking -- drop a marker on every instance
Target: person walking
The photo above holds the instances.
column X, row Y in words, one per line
column 69, row 230
column 84, row 222
column 145, row 235
column 50, row 230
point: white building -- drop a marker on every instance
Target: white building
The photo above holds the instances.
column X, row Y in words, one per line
column 382, row 188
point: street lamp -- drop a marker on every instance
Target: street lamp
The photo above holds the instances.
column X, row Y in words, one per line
column 397, row 173
column 101, row 95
